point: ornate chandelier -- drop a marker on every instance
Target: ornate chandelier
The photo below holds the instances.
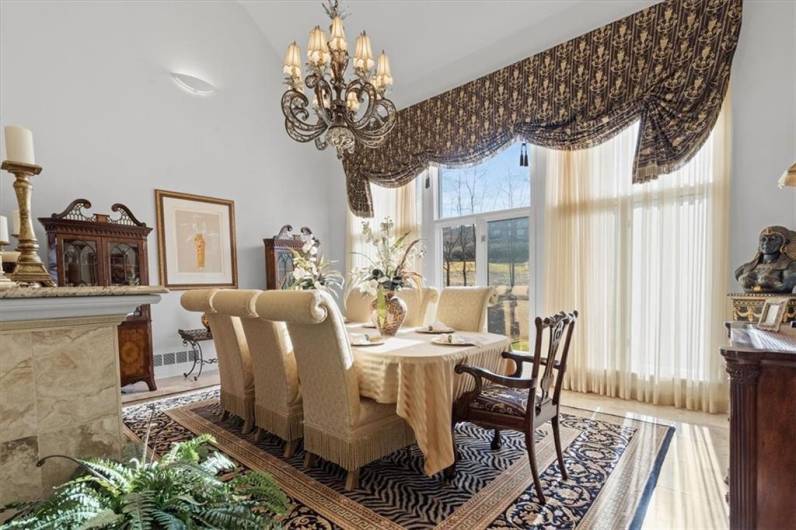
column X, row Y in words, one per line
column 341, row 113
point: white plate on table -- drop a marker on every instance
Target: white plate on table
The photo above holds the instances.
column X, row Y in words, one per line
column 368, row 325
column 445, row 340
column 362, row 339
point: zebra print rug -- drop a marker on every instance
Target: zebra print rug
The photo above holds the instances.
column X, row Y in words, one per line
column 613, row 464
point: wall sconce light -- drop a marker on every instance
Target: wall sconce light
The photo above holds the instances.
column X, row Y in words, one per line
column 193, row 85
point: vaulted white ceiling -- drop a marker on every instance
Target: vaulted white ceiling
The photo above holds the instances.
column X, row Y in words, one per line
column 435, row 45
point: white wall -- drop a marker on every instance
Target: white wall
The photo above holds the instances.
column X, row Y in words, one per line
column 91, row 80
column 764, row 124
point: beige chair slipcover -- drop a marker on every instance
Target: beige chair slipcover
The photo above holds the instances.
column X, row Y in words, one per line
column 418, row 304
column 358, row 306
column 339, row 425
column 464, row 308
column 234, row 362
column 277, row 401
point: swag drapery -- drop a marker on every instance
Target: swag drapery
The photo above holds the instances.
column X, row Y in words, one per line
column 667, row 66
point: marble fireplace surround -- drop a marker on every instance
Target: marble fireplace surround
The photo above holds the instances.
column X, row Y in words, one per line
column 59, row 380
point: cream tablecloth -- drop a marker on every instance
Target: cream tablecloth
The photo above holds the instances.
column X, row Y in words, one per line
column 418, row 377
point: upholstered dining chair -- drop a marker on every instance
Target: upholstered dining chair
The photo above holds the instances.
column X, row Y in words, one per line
column 234, row 362
column 418, row 301
column 277, row 400
column 465, row 308
column 339, row 425
column 522, row 404
column 358, row 306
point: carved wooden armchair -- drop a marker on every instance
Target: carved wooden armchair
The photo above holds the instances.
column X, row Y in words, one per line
column 522, row 404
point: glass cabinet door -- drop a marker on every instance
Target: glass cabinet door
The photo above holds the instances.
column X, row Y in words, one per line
column 284, row 267
column 124, row 260
column 80, row 263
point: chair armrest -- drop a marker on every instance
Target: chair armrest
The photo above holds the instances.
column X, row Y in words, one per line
column 556, row 364
column 518, row 359
column 481, row 373
column 526, row 358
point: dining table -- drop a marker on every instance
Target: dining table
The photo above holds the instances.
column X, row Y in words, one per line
column 418, row 375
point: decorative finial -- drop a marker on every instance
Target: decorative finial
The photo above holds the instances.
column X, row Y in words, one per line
column 333, row 9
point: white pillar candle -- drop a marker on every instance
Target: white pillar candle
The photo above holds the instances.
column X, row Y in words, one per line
column 4, row 239
column 15, row 223
column 19, row 145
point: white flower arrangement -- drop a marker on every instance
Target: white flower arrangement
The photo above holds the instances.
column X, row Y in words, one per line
column 388, row 271
column 313, row 271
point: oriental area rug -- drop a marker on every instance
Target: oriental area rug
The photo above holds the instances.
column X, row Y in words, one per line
column 613, row 464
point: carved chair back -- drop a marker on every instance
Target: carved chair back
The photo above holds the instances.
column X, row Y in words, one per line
column 554, row 332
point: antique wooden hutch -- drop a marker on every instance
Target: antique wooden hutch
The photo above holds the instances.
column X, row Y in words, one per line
column 279, row 259
column 100, row 250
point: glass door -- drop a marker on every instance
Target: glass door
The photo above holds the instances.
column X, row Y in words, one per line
column 459, row 255
column 507, row 269
column 493, row 250
column 80, row 262
column 125, row 263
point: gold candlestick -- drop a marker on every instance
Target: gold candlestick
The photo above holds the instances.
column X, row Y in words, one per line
column 29, row 269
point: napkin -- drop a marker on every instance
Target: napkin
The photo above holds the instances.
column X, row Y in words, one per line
column 454, row 338
column 438, row 326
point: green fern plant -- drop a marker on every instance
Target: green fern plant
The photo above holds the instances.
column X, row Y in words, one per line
column 181, row 491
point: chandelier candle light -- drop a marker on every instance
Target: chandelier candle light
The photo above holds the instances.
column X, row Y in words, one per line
column 344, row 113
column 21, row 163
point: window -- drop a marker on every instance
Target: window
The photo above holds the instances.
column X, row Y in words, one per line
column 498, row 183
column 481, row 235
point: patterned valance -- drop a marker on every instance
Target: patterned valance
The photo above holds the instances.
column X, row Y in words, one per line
column 668, row 66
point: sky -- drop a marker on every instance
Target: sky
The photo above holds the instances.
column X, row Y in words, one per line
column 498, row 183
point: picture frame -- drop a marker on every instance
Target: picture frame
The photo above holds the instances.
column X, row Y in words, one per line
column 772, row 313
column 196, row 241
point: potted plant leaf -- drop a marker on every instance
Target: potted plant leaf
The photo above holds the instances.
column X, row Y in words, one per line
column 182, row 490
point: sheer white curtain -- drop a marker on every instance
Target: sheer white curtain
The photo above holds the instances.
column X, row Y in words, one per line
column 646, row 265
column 398, row 203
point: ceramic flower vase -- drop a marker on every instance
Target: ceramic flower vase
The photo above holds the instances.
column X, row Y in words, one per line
column 389, row 312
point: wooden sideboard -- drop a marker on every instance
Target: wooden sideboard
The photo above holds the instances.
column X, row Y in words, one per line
column 762, row 478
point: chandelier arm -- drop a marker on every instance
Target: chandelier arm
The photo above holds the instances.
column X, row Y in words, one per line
column 320, row 87
column 378, row 118
column 294, row 108
column 374, row 127
column 359, row 87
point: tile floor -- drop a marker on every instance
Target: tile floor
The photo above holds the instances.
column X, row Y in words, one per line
column 168, row 385
column 691, row 489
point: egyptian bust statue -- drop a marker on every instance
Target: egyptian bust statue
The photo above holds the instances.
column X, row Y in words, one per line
column 773, row 269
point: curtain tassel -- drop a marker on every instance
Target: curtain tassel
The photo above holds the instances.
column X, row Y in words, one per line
column 524, row 155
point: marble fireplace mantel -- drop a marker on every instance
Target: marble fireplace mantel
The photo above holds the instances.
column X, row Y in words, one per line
column 68, row 302
column 59, row 380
